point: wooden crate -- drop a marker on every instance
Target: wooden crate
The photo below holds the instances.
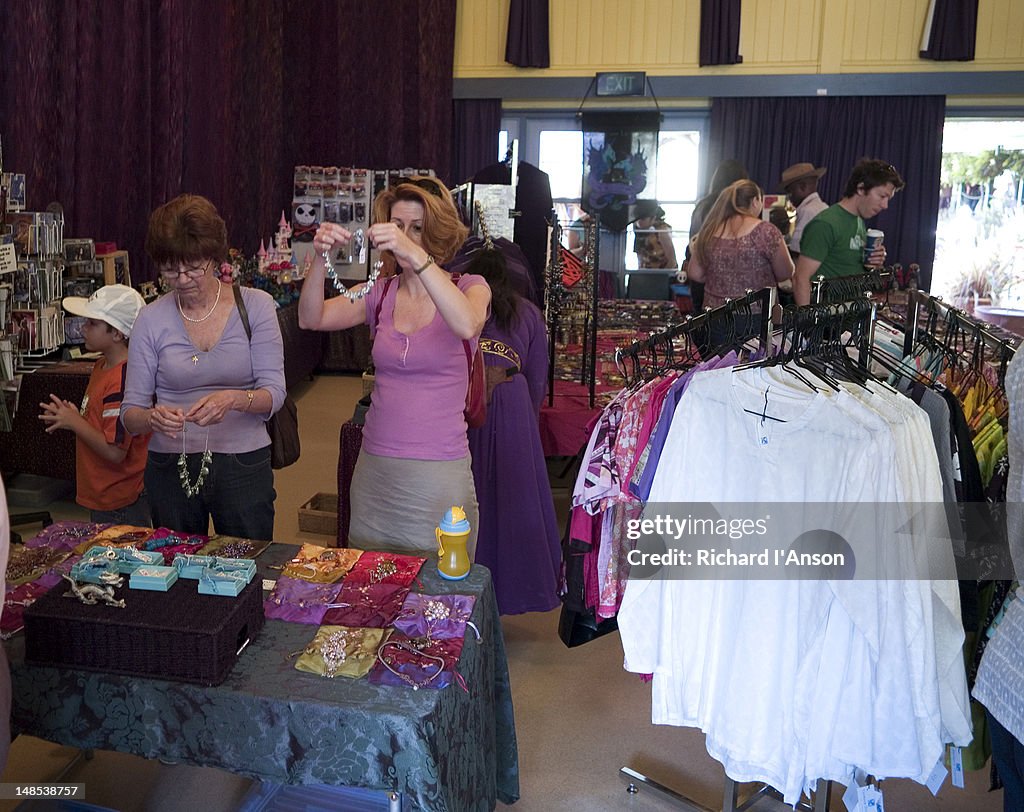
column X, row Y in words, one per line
column 320, row 515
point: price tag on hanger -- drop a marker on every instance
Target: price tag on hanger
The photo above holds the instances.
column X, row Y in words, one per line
column 870, row 799
column 956, row 766
column 937, row 777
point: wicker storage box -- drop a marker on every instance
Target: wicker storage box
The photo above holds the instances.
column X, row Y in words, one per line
column 176, row 635
column 320, row 515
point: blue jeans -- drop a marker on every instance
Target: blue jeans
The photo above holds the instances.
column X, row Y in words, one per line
column 136, row 514
column 237, row 493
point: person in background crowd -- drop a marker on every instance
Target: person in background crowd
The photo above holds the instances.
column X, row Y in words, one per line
column 735, row 250
column 654, row 249
column 833, row 242
column 203, row 388
column 800, row 183
column 414, row 462
column 519, row 537
column 109, row 462
column 727, row 172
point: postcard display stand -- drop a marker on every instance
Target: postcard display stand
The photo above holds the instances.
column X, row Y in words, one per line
column 342, row 195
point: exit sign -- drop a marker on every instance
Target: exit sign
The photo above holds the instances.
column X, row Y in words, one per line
column 628, row 83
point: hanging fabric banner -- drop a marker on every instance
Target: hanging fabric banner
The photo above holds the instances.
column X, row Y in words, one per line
column 620, row 154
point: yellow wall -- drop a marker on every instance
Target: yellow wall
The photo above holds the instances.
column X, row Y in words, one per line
column 777, row 37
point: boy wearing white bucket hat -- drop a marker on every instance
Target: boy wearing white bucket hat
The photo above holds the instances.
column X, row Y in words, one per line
column 109, row 462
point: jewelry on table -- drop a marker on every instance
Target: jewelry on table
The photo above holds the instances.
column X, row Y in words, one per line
column 216, row 301
column 353, row 294
column 332, row 649
column 387, row 663
column 204, row 467
column 91, row 594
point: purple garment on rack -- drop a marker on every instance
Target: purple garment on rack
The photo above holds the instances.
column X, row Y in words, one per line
column 299, row 601
column 439, row 617
column 643, row 478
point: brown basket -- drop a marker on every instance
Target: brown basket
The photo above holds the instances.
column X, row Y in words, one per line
column 176, row 635
column 320, row 515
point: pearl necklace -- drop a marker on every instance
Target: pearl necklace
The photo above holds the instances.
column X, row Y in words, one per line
column 216, row 301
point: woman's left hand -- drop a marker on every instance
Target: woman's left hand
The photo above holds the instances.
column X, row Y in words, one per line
column 389, row 237
column 210, row 409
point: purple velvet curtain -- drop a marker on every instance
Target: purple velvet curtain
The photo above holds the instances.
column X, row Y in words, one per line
column 475, row 127
column 953, row 32
column 526, row 43
column 768, row 134
column 720, row 32
column 113, row 108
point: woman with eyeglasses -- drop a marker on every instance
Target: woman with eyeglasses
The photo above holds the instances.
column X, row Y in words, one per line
column 201, row 386
column 414, row 462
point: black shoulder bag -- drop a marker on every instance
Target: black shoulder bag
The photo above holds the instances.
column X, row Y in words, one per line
column 283, row 426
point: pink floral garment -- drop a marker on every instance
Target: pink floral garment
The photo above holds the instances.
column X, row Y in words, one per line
column 736, row 266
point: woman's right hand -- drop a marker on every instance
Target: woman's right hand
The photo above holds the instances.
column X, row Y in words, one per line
column 167, row 421
column 330, row 235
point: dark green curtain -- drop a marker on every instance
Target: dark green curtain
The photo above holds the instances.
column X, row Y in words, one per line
column 113, row 107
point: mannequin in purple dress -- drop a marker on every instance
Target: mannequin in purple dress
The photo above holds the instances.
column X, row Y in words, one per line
column 518, row 537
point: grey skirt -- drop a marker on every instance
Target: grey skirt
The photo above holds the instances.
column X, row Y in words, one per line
column 397, row 503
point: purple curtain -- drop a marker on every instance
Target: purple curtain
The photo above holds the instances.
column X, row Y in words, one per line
column 954, row 29
column 475, row 127
column 526, row 43
column 113, row 108
column 720, row 32
column 768, row 134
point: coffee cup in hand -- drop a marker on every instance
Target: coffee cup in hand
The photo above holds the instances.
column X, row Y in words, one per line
column 873, row 241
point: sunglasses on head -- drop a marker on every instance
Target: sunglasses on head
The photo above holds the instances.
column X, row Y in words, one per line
column 426, row 184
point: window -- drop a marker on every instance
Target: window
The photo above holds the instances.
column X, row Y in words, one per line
column 554, row 143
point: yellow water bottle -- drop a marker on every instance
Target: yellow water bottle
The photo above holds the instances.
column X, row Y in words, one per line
column 453, row 562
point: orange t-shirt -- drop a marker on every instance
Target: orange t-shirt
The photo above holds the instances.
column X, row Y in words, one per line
column 101, row 485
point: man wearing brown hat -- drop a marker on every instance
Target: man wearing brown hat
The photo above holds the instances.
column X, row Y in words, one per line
column 800, row 182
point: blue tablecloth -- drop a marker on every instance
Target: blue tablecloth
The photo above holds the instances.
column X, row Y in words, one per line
column 444, row 750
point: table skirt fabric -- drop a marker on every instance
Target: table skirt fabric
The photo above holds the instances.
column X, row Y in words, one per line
column 445, row 750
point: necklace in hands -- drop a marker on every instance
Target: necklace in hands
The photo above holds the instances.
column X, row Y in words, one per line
column 353, row 294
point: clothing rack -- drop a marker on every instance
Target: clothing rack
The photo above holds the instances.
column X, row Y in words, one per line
column 976, row 336
column 846, row 288
column 656, row 354
column 827, row 330
column 823, row 331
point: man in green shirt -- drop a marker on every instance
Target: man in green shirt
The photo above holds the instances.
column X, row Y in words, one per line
column 833, row 242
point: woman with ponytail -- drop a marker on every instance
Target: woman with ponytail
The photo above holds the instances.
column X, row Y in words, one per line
column 735, row 250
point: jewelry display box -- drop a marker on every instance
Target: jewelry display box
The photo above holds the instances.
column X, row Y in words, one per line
column 155, row 579
column 178, row 635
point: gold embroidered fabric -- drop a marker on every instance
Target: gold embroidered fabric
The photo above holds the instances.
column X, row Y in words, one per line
column 492, row 346
column 342, row 651
column 322, row 565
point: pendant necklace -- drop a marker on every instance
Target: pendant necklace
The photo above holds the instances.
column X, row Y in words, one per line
column 204, row 467
column 216, row 301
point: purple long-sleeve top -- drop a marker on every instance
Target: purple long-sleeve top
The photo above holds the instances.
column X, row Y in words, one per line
column 161, row 370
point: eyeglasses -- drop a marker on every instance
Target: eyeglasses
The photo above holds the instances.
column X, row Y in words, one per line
column 192, row 271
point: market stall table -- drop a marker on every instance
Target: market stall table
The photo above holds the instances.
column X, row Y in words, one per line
column 449, row 749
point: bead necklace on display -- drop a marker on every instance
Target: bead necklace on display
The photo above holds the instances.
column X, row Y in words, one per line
column 204, row 467
column 353, row 294
column 216, row 301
